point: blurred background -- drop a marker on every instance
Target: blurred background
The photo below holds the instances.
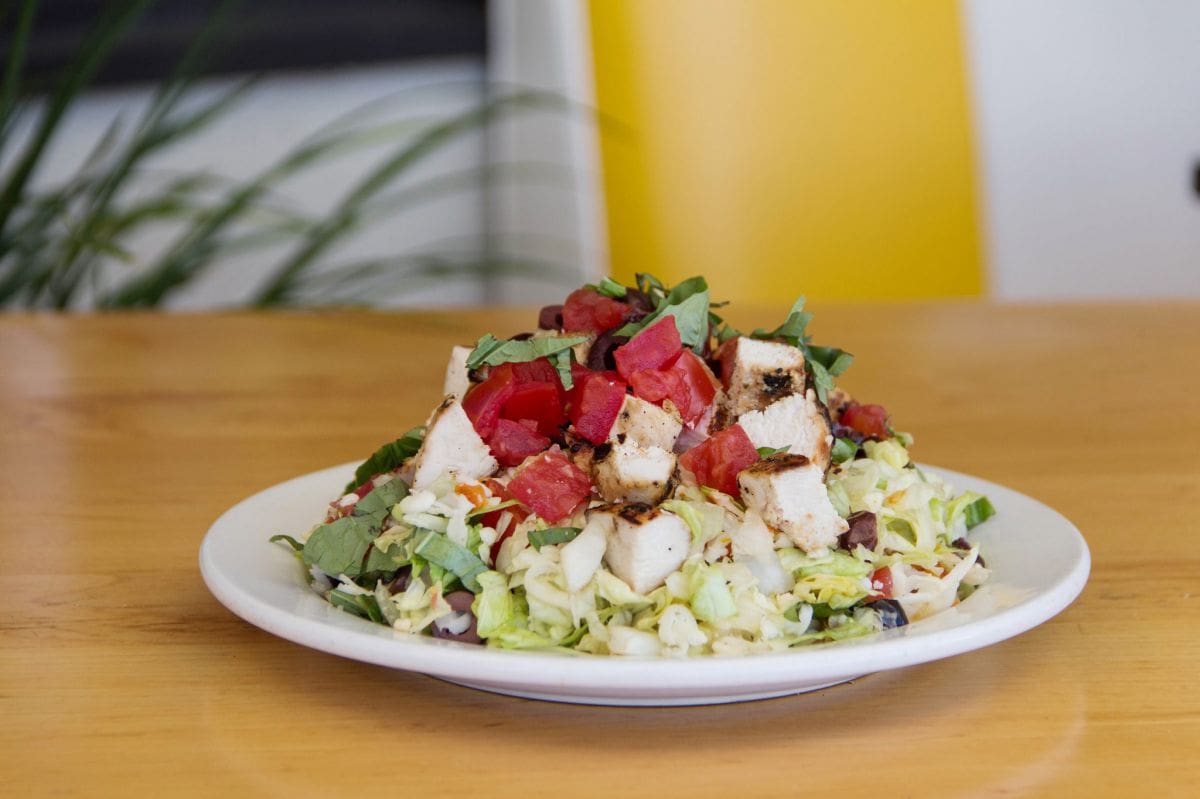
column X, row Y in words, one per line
column 188, row 154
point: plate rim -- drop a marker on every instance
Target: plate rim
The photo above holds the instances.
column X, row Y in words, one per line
column 625, row 680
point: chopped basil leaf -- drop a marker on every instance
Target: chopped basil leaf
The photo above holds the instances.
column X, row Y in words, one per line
column 833, row 359
column 611, row 288
column 287, row 539
column 492, row 351
column 822, row 380
column 978, row 512
column 562, row 364
column 690, row 309
column 792, row 329
column 722, row 329
column 651, row 286
column 844, row 449
column 363, row 605
column 455, row 558
column 552, row 535
column 688, row 288
column 766, row 452
column 388, row 457
column 691, row 319
column 824, row 363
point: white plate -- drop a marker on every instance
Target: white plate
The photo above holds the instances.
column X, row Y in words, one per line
column 1038, row 559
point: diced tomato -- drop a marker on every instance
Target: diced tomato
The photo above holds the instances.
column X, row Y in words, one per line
column 883, row 579
column 700, row 379
column 551, row 486
column 484, row 401
column 686, row 381
column 539, row 371
column 578, row 372
column 593, row 404
column 513, row 442
column 870, row 420
column 717, row 460
column 653, row 348
column 656, row 385
column 539, row 403
column 516, row 514
column 589, row 311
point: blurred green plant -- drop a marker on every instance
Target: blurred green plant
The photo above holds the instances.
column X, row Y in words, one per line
column 67, row 247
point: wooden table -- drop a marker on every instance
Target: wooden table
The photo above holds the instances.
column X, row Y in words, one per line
column 123, row 437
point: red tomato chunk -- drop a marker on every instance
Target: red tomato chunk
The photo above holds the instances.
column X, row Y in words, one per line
column 594, row 403
column 686, row 381
column 539, row 371
column 513, row 442
column 870, row 420
column 484, row 402
column 539, row 403
column 551, row 486
column 717, row 460
column 589, row 311
column 653, row 348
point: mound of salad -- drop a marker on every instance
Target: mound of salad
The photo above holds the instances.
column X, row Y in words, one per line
column 637, row 477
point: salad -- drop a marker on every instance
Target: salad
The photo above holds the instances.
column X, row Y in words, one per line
column 637, row 477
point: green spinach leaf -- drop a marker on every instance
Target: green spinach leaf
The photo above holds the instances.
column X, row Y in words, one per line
column 379, row 502
column 340, row 546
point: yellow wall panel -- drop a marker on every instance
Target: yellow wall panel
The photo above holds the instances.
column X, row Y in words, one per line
column 789, row 147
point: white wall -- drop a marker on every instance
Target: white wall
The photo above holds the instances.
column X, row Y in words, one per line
column 544, row 45
column 1088, row 130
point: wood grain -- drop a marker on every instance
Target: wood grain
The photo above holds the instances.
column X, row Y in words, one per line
column 123, row 437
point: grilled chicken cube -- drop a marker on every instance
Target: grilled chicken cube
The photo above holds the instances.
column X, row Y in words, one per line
column 788, row 492
column 630, row 473
column 645, row 545
column 758, row 373
column 451, row 445
column 798, row 422
column 646, row 425
column 457, row 379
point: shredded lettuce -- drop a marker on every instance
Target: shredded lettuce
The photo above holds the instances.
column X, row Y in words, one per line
column 494, row 607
